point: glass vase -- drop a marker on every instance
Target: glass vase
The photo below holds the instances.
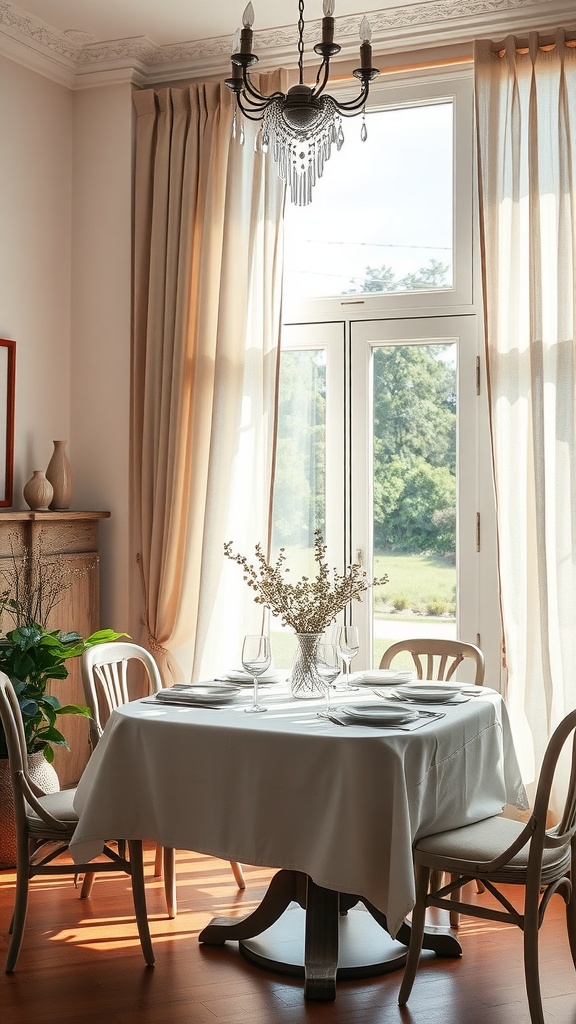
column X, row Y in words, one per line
column 304, row 681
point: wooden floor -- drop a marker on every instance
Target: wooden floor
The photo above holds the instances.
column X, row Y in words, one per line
column 81, row 964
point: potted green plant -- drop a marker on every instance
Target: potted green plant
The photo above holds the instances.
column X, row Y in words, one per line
column 31, row 656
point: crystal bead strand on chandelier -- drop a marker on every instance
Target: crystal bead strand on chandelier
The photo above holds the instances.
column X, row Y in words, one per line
column 300, row 126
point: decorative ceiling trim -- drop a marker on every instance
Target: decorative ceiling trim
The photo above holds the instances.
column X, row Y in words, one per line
column 75, row 59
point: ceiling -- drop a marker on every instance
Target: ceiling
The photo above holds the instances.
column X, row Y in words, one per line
column 77, row 41
column 176, row 21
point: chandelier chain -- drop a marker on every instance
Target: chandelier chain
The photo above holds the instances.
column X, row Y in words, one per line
column 301, row 40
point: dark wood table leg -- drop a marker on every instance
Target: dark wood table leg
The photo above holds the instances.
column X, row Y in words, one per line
column 438, row 938
column 321, row 942
column 286, row 887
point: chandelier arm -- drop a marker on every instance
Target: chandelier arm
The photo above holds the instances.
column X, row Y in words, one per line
column 259, row 97
column 321, row 78
column 250, row 112
column 352, row 106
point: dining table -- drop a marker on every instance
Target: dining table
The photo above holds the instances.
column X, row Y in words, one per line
column 334, row 804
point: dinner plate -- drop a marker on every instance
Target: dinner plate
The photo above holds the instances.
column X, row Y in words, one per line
column 242, row 678
column 198, row 694
column 381, row 677
column 429, row 693
column 383, row 713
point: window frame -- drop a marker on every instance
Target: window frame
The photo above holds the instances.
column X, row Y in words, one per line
column 455, row 85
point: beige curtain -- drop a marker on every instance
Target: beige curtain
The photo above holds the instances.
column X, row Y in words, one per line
column 526, row 125
column 207, row 287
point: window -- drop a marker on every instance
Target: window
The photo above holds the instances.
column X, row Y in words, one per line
column 379, row 270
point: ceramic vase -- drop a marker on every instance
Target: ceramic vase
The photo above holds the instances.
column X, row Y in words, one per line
column 59, row 473
column 44, row 775
column 38, row 492
column 304, row 682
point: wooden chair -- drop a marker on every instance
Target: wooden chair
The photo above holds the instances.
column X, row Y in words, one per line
column 437, row 659
column 105, row 682
column 45, row 824
column 500, row 851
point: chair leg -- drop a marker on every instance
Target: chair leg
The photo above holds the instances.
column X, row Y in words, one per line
column 139, row 897
column 238, row 874
column 454, row 915
column 416, row 934
column 20, row 908
column 158, row 858
column 571, row 924
column 531, row 967
column 87, row 884
column 169, row 863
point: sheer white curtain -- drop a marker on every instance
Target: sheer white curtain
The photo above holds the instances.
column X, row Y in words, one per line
column 526, row 125
column 207, row 294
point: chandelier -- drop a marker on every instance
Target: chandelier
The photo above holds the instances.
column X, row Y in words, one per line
column 299, row 126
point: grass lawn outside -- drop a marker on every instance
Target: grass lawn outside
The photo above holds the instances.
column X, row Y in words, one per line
column 420, row 584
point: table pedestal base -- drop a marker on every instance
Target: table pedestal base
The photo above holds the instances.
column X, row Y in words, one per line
column 364, row 948
column 323, row 939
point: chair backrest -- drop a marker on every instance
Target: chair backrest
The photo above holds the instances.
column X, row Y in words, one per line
column 26, row 791
column 13, row 726
column 563, row 833
column 437, row 659
column 105, row 679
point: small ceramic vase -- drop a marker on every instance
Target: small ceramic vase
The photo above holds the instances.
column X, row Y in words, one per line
column 59, row 473
column 38, row 492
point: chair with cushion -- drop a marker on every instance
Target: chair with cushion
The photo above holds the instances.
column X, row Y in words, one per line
column 106, row 687
column 437, row 659
column 45, row 824
column 499, row 851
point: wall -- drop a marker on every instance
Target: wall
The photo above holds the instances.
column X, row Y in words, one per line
column 65, row 267
column 35, row 258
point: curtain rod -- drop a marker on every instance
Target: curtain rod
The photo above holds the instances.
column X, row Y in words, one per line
column 546, row 42
column 426, row 65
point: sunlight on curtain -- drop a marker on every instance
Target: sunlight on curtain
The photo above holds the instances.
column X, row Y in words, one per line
column 526, row 125
column 208, row 216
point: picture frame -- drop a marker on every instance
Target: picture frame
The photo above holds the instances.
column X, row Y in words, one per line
column 7, row 401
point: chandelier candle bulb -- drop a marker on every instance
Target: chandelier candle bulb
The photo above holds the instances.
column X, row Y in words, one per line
column 328, row 22
column 247, row 34
column 365, row 45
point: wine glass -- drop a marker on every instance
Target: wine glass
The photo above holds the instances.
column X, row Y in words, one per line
column 349, row 645
column 327, row 669
column 256, row 659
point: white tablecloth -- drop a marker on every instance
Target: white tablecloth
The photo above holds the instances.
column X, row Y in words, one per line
column 287, row 789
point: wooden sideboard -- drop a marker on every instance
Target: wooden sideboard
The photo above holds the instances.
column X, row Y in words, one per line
column 69, row 539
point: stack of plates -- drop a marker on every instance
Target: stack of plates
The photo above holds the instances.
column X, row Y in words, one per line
column 433, row 692
column 381, row 677
column 198, row 693
column 384, row 714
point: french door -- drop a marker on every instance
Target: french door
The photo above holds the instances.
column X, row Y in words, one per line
column 382, row 445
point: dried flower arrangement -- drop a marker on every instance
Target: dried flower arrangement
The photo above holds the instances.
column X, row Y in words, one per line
column 32, row 585
column 309, row 605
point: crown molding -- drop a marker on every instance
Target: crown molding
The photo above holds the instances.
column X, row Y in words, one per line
column 76, row 60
